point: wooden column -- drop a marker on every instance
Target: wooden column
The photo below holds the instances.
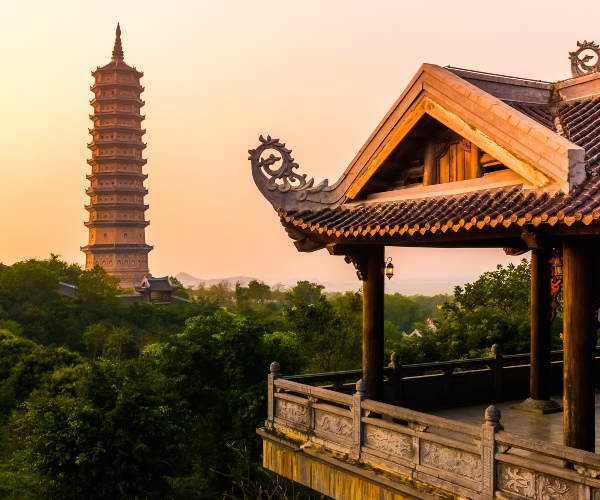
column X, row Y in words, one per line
column 430, row 173
column 476, row 168
column 580, row 325
column 539, row 381
column 373, row 291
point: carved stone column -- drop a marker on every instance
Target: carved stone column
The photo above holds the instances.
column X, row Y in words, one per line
column 373, row 293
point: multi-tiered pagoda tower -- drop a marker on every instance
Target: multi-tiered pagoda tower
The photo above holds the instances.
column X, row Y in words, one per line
column 117, row 222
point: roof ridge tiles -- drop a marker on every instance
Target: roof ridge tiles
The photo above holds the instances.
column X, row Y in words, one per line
column 566, row 112
column 498, row 207
column 578, row 129
column 399, row 216
column 427, row 212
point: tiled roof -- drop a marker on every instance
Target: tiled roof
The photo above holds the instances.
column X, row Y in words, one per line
column 541, row 113
column 505, row 206
column 160, row 284
column 580, row 124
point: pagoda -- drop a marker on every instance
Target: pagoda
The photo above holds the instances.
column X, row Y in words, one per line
column 117, row 211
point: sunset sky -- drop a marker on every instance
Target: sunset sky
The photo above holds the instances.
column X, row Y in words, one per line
column 318, row 74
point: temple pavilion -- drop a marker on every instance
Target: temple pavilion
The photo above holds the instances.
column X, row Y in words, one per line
column 117, row 223
column 463, row 159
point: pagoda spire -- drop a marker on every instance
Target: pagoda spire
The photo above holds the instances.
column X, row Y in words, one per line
column 117, row 54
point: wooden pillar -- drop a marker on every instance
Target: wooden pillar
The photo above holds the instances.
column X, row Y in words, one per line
column 580, row 325
column 373, row 291
column 476, row 168
column 539, row 379
column 430, row 173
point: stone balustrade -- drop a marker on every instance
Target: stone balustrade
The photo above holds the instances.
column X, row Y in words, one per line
column 313, row 434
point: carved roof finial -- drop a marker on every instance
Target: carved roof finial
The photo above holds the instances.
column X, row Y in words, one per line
column 579, row 65
column 117, row 54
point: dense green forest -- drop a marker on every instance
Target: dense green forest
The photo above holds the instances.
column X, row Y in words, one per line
column 101, row 399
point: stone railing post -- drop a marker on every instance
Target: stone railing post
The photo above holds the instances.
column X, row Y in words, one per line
column 396, row 366
column 357, row 428
column 488, row 449
column 497, row 367
column 274, row 369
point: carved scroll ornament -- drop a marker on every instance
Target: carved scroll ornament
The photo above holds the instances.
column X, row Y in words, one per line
column 293, row 412
column 579, row 61
column 280, row 183
column 451, row 460
column 529, row 484
column 389, row 441
column 336, row 425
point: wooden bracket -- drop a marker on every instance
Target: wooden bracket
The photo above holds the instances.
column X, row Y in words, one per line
column 353, row 254
column 535, row 240
column 301, row 242
column 514, row 252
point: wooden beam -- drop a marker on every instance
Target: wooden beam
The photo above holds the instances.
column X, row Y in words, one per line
column 580, row 325
column 373, row 292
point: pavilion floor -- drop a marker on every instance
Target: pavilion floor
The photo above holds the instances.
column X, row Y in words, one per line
column 548, row 427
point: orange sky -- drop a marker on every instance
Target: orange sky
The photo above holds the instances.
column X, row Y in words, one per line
column 318, row 74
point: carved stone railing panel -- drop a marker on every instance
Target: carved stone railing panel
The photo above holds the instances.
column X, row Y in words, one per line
column 527, row 483
column 292, row 412
column 451, row 460
column 334, row 424
column 388, row 441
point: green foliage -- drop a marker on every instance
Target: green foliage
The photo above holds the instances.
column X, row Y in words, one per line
column 404, row 311
column 180, row 420
column 305, row 292
column 119, row 436
column 119, row 338
column 494, row 309
column 220, row 294
column 330, row 332
column 258, row 291
column 98, row 295
column 26, row 366
column 11, row 326
column 218, row 365
column 29, row 296
column 95, row 337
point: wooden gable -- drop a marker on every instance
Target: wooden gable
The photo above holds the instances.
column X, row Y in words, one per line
column 432, row 154
column 444, row 126
column 438, row 102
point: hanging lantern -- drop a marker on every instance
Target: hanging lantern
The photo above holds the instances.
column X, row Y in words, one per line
column 389, row 268
column 557, row 266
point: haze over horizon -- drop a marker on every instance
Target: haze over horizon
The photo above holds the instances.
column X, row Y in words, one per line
column 318, row 75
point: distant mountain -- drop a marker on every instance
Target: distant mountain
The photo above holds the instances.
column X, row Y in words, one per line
column 421, row 287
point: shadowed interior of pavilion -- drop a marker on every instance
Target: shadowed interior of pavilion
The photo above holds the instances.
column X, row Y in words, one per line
column 462, row 160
